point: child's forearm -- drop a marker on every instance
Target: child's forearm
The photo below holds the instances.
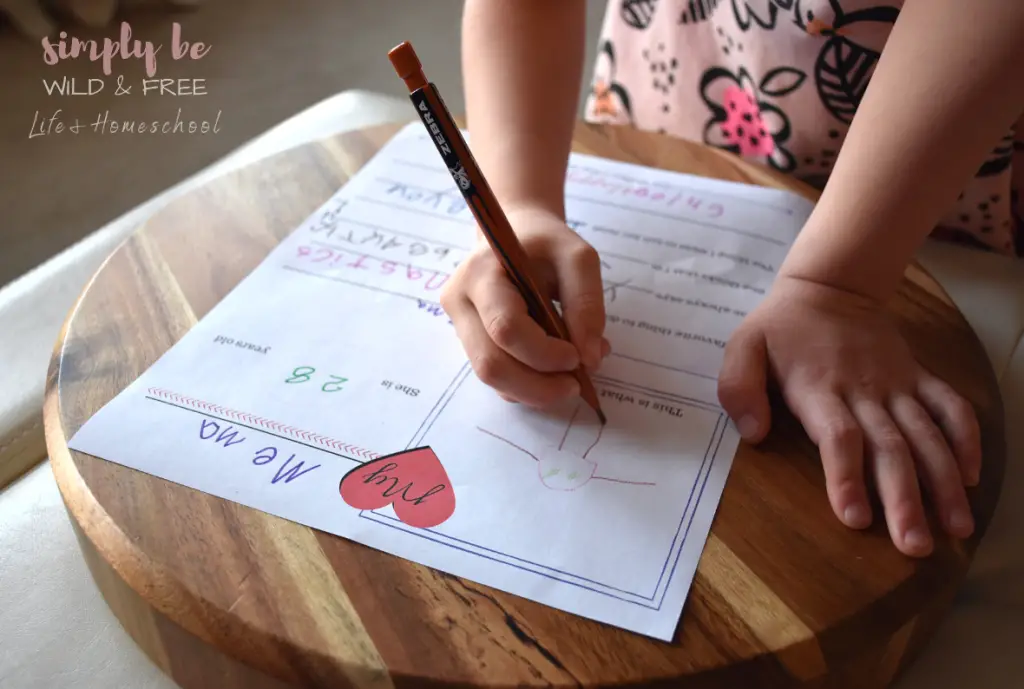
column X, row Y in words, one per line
column 949, row 85
column 523, row 66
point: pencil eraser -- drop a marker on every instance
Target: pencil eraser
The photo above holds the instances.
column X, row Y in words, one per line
column 404, row 59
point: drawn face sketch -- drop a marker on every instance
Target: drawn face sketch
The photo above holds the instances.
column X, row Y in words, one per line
column 563, row 469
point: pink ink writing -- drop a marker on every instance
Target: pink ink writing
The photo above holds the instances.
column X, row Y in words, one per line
column 378, row 239
column 71, row 48
column 668, row 198
column 329, row 257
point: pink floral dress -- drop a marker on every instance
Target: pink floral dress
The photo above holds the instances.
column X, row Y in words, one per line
column 778, row 82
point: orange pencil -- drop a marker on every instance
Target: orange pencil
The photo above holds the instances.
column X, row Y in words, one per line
column 481, row 201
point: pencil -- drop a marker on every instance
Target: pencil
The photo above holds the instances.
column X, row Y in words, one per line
column 482, row 202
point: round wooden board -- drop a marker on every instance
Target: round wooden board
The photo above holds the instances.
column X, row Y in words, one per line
column 222, row 595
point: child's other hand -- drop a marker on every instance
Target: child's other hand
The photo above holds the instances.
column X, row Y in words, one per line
column 873, row 411
column 508, row 350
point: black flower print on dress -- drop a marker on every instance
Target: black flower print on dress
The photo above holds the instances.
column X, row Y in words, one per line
column 609, row 100
column 726, row 44
column 849, row 56
column 638, row 13
column 697, row 11
column 743, row 123
column 999, row 159
column 663, row 73
column 764, row 13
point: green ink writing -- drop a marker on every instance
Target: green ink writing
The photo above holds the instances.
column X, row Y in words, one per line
column 297, row 377
column 334, row 385
column 304, row 374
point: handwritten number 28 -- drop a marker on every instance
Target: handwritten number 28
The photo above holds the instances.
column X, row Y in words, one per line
column 334, row 385
column 303, row 374
column 303, row 377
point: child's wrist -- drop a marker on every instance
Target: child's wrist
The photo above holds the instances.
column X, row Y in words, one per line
column 841, row 278
column 844, row 258
column 529, row 213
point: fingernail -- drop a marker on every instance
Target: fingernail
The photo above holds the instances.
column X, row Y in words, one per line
column 606, row 347
column 974, row 477
column 917, row 539
column 961, row 522
column 857, row 516
column 747, row 426
column 592, row 354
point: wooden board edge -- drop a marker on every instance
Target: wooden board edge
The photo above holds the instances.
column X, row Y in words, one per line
column 162, row 593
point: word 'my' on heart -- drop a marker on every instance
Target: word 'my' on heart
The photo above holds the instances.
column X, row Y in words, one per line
column 413, row 481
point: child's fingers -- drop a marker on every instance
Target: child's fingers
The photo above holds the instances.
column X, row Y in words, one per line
column 742, row 384
column 497, row 369
column 895, row 478
column 502, row 311
column 958, row 422
column 581, row 294
column 936, row 464
column 840, row 441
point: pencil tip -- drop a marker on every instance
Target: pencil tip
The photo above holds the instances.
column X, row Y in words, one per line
column 601, row 417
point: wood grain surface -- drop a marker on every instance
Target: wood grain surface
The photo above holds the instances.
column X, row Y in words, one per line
column 223, row 595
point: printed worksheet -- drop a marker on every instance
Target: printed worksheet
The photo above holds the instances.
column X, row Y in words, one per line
column 329, row 388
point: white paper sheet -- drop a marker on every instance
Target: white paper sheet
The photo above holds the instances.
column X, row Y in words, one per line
column 334, row 352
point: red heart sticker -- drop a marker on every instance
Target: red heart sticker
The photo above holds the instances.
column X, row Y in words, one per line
column 413, row 481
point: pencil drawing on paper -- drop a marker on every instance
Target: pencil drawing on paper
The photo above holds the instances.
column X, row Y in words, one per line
column 564, row 469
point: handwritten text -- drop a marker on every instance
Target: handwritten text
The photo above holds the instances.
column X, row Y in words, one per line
column 304, row 374
column 330, row 257
column 227, row 436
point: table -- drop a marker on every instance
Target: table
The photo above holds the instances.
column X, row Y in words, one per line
column 218, row 594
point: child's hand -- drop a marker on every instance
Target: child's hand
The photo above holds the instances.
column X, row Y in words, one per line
column 508, row 350
column 873, row 411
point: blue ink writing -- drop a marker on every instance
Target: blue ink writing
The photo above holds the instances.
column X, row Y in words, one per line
column 287, row 471
column 432, row 309
column 444, row 201
column 208, row 429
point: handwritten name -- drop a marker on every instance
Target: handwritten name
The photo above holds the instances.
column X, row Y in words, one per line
column 667, row 197
column 444, row 201
column 329, row 257
column 227, row 436
column 383, row 240
column 125, row 48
